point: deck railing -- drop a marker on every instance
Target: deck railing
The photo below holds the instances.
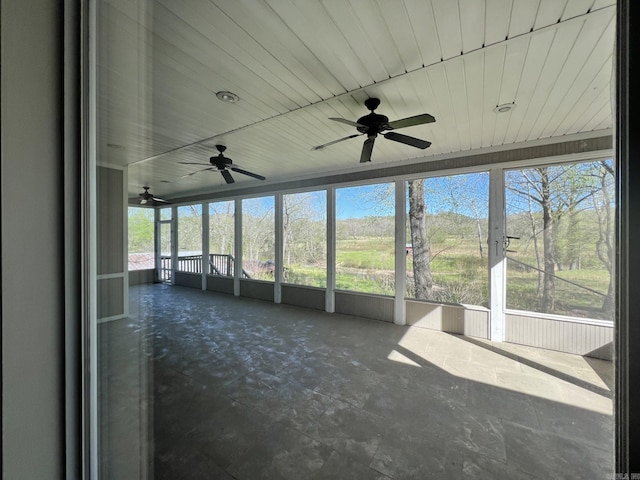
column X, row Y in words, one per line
column 190, row 263
column 165, row 268
column 219, row 264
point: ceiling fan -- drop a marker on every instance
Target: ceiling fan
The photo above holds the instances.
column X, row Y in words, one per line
column 147, row 197
column 222, row 164
column 374, row 124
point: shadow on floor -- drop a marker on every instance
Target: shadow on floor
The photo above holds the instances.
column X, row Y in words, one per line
column 542, row 368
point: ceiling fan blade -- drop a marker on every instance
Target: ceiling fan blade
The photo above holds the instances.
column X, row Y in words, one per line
column 197, row 171
column 193, row 163
column 161, row 200
column 227, row 176
column 367, row 148
column 410, row 121
column 254, row 175
column 320, row 147
column 348, row 122
column 143, row 201
column 407, row 140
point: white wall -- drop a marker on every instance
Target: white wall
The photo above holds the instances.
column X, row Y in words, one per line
column 32, row 220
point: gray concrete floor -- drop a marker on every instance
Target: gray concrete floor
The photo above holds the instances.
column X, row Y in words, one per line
column 241, row 389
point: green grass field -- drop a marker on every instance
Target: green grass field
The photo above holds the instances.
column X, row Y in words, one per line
column 460, row 276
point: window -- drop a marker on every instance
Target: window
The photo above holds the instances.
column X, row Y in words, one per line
column 365, row 245
column 447, row 239
column 165, row 213
column 221, row 238
column 258, row 238
column 190, row 238
column 304, row 233
column 141, row 238
column 561, row 222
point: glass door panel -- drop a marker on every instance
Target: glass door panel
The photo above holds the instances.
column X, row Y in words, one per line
column 559, row 244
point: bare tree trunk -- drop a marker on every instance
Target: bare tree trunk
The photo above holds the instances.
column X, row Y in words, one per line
column 604, row 246
column 479, row 228
column 572, row 235
column 535, row 245
column 285, row 230
column 549, row 287
column 421, row 252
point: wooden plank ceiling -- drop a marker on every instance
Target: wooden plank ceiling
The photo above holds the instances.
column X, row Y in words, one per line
column 295, row 63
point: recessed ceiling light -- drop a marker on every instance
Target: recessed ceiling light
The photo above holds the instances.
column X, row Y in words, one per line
column 227, row 97
column 504, row 108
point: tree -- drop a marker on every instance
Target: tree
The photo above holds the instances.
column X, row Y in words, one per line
column 557, row 191
column 304, row 227
column 468, row 193
column 534, row 236
column 221, row 237
column 456, row 213
column 190, row 228
column 605, row 248
column 421, row 251
column 258, row 241
column 548, row 222
column 140, row 230
column 221, row 228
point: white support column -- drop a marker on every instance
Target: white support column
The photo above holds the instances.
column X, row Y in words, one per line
column 277, row 277
column 125, row 241
column 399, row 312
column 330, row 297
column 497, row 259
column 237, row 242
column 157, row 242
column 205, row 244
column 174, row 243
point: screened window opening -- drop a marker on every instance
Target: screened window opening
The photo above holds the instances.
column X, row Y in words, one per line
column 365, row 239
column 561, row 222
column 190, row 239
column 258, row 238
column 165, row 213
column 446, row 233
column 141, row 238
column 304, row 235
column 221, row 238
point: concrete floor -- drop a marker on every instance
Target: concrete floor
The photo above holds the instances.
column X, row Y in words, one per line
column 241, row 389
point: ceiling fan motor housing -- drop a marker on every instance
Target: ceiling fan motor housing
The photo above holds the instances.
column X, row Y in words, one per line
column 372, row 103
column 220, row 161
column 373, row 123
column 146, row 195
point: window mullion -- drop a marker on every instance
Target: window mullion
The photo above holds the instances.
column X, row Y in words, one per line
column 497, row 263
